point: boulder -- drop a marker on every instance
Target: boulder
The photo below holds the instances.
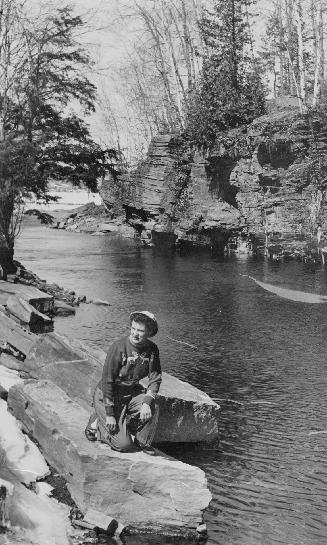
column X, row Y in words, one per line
column 17, row 336
column 27, row 314
column 11, row 363
column 101, row 302
column 108, row 227
column 186, row 413
column 38, row 299
column 61, row 308
column 147, row 493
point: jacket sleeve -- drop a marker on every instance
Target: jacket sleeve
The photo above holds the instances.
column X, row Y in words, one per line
column 154, row 377
column 109, row 374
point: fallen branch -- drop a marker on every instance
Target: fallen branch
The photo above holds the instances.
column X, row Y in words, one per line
column 182, row 342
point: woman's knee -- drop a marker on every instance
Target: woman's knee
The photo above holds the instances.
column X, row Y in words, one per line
column 120, row 442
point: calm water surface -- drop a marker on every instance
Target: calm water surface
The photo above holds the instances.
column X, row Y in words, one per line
column 261, row 357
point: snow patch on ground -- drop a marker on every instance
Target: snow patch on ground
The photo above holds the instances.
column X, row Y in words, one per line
column 38, row 519
column 9, row 377
column 17, row 452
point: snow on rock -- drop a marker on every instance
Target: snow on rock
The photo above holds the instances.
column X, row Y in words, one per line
column 18, row 452
column 9, row 377
column 43, row 489
column 38, row 519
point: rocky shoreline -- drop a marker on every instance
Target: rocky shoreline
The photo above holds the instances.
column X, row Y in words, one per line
column 64, row 301
column 96, row 220
column 42, row 378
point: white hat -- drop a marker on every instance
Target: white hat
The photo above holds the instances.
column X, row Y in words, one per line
column 152, row 321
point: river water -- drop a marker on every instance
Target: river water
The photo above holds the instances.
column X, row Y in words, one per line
column 261, row 357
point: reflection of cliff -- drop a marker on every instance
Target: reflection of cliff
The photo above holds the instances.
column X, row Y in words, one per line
column 251, row 184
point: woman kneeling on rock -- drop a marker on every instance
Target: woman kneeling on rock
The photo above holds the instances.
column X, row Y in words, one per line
column 126, row 414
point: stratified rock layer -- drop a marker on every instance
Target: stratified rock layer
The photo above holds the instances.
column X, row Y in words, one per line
column 255, row 182
column 140, row 491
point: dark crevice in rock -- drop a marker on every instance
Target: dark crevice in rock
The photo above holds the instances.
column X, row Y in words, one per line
column 278, row 154
column 269, row 183
column 132, row 212
column 219, row 170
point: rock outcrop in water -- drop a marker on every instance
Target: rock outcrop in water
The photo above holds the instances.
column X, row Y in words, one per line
column 254, row 184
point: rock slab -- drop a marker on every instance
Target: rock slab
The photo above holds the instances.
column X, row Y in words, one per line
column 186, row 413
column 142, row 492
column 27, row 314
column 14, row 334
column 37, row 298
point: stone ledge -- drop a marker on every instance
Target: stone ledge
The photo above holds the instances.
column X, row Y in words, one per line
column 140, row 491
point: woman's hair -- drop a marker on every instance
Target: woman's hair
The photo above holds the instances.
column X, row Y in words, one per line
column 142, row 319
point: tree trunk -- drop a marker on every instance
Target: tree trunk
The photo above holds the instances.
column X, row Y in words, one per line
column 321, row 46
column 6, row 235
column 6, row 260
column 302, row 86
column 281, row 51
column 234, row 53
column 318, row 46
column 292, row 84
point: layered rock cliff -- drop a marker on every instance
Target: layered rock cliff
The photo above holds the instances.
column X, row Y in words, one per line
column 256, row 183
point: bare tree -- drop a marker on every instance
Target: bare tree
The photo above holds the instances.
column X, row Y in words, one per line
column 161, row 65
column 318, row 50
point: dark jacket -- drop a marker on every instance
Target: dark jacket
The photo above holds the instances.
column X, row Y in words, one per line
column 125, row 366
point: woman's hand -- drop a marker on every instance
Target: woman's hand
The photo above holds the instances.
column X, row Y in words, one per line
column 145, row 413
column 111, row 423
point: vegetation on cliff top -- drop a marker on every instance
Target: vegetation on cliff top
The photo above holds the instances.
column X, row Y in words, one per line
column 229, row 91
column 186, row 59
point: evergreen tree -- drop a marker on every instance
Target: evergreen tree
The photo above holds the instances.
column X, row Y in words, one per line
column 42, row 138
column 229, row 92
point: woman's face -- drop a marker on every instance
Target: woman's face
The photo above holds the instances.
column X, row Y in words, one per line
column 139, row 333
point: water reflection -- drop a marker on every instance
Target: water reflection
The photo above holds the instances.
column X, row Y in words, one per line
column 263, row 358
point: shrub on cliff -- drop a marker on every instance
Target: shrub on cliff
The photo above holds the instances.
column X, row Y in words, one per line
column 229, row 92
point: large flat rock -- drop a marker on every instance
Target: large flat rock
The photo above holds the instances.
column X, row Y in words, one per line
column 28, row 315
column 37, row 298
column 140, row 491
column 186, row 413
column 17, row 336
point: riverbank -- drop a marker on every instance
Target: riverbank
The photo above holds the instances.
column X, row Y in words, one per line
column 25, row 355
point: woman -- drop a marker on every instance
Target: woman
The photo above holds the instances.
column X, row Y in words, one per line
column 126, row 414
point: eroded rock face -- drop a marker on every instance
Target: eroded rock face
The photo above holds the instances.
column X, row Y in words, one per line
column 140, row 491
column 169, row 197
column 253, row 182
